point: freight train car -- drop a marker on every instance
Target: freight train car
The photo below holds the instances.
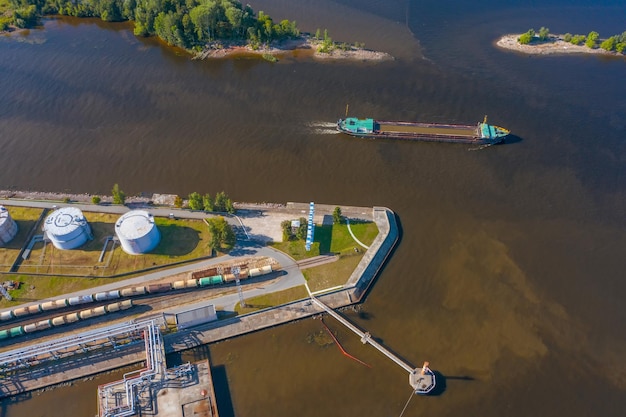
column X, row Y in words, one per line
column 133, row 292
column 63, row 320
column 204, row 278
column 213, row 280
column 54, row 304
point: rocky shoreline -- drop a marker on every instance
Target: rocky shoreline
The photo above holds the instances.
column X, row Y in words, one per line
column 154, row 199
column 553, row 45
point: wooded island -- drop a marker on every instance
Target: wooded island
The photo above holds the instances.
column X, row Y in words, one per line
column 543, row 42
column 206, row 28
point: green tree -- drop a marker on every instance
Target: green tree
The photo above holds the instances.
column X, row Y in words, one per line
column 592, row 39
column 609, row 44
column 286, row 227
column 25, row 17
column 96, row 199
column 207, row 202
column 327, row 44
column 527, row 37
column 110, row 11
column 219, row 204
column 620, row 47
column 195, row 201
column 230, row 208
column 567, row 37
column 337, row 215
column 544, row 33
column 223, row 203
column 119, row 197
column 5, row 21
column 222, row 234
column 178, row 201
column 301, row 232
column 578, row 39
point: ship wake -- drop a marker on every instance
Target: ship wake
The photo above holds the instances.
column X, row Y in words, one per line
column 323, row 128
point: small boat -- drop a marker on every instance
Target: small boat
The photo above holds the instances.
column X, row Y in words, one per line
column 480, row 134
column 423, row 381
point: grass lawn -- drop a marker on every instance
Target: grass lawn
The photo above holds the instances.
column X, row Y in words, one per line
column 331, row 239
column 181, row 240
column 35, row 288
column 272, row 300
column 335, row 239
column 332, row 274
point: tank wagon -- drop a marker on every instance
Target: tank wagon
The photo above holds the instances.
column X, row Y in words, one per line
column 65, row 319
column 20, row 312
column 205, row 281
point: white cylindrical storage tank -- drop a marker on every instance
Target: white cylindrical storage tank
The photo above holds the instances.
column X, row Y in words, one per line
column 137, row 232
column 67, row 228
column 8, row 227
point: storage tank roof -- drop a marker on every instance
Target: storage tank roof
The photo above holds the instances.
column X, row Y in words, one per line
column 64, row 220
column 134, row 224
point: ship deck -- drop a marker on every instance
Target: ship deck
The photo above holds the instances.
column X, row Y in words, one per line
column 426, row 129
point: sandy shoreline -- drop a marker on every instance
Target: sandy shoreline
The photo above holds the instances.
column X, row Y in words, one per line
column 304, row 46
column 554, row 45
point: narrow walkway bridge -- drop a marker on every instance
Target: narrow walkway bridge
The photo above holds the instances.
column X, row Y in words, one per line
column 421, row 379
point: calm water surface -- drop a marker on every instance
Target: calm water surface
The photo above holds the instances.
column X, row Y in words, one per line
column 509, row 274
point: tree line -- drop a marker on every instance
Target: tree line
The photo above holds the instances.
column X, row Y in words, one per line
column 221, row 203
column 189, row 24
column 615, row 43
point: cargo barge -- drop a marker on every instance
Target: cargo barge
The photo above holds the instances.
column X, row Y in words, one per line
column 480, row 134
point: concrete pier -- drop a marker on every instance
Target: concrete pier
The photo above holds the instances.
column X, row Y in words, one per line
column 421, row 380
column 185, row 394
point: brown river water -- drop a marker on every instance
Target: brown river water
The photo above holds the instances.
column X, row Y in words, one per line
column 509, row 276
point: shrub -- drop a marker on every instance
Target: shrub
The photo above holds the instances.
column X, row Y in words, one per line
column 5, row 21
column 543, row 33
column 286, row 226
column 207, row 202
column 96, row 199
column 195, row 201
column 301, row 232
column 591, row 39
column 337, row 215
column 119, row 197
column 609, row 44
column 527, row 37
column 578, row 39
column 178, row 201
column 269, row 57
column 567, row 37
